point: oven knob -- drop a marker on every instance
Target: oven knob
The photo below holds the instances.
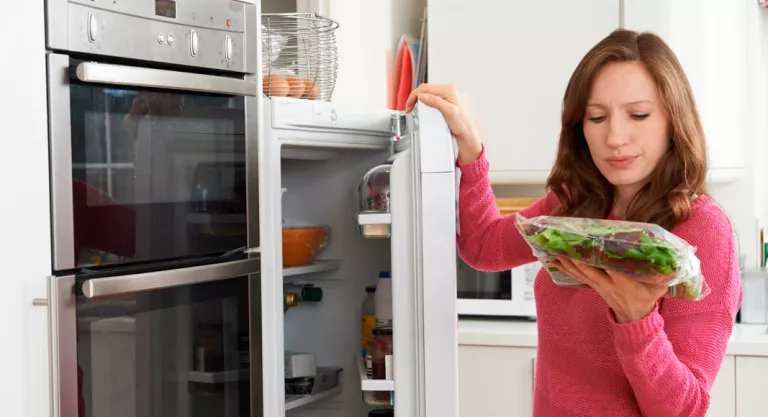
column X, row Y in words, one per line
column 160, row 38
column 171, row 38
column 193, row 43
column 228, row 48
column 93, row 27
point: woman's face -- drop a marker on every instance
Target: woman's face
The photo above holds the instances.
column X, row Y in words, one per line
column 626, row 124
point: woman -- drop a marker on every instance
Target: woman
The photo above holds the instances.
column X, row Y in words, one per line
column 631, row 147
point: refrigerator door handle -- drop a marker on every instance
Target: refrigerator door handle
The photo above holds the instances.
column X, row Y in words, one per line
column 102, row 287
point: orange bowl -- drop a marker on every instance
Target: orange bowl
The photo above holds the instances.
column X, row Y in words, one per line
column 301, row 245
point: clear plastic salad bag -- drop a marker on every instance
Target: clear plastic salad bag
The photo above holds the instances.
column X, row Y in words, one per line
column 647, row 252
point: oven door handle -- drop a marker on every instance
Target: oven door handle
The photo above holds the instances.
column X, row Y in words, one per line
column 93, row 72
column 126, row 284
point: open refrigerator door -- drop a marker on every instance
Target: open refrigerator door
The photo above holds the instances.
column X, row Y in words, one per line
column 424, row 269
column 312, row 158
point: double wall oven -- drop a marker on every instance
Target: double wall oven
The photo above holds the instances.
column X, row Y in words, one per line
column 155, row 298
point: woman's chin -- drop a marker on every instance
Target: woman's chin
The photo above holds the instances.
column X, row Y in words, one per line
column 623, row 177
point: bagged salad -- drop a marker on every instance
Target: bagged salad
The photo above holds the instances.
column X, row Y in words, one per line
column 645, row 251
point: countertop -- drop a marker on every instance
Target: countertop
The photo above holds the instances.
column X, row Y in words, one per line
column 746, row 340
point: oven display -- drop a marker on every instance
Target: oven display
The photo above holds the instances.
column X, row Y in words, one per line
column 165, row 8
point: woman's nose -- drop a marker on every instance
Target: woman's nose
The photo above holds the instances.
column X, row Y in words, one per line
column 617, row 133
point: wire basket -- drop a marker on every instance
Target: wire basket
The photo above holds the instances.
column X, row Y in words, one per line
column 300, row 58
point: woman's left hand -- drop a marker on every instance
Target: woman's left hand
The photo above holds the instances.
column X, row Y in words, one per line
column 630, row 299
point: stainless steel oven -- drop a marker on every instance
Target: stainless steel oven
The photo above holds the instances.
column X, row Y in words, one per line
column 181, row 342
column 150, row 143
column 154, row 111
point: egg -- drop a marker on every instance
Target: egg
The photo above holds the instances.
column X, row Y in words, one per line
column 311, row 91
column 275, row 85
column 297, row 87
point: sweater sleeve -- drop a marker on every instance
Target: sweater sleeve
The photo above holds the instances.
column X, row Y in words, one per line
column 487, row 241
column 672, row 356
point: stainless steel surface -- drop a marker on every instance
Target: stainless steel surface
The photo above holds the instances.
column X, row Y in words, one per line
column 402, row 124
column 194, row 42
column 100, row 287
column 92, row 72
column 303, row 45
column 132, row 30
column 93, row 27
column 60, row 138
column 56, row 31
column 253, row 114
column 63, row 346
column 40, row 302
column 209, row 14
column 228, row 48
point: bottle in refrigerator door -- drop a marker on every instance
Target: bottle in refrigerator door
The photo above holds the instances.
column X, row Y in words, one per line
column 368, row 318
column 381, row 358
column 383, row 300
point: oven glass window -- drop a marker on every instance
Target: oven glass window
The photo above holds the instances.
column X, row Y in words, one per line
column 156, row 175
column 181, row 352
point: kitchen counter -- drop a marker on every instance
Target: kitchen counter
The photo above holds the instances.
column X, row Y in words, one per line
column 746, row 340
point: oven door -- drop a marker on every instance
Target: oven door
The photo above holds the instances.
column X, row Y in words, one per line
column 173, row 343
column 149, row 165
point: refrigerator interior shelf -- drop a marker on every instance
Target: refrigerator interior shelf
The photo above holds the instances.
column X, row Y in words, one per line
column 374, row 218
column 295, row 401
column 373, row 384
column 313, row 268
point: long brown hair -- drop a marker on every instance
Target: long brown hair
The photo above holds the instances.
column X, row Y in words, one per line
column 681, row 173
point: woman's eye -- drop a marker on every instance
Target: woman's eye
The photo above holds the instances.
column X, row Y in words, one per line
column 640, row 116
column 597, row 119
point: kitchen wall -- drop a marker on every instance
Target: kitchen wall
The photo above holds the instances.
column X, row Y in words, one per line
column 366, row 39
column 743, row 200
column 25, row 246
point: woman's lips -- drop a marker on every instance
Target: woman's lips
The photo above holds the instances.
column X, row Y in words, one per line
column 622, row 162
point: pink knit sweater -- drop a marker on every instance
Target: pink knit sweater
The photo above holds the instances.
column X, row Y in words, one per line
column 589, row 365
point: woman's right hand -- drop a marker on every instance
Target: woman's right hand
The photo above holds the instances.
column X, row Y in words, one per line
column 444, row 98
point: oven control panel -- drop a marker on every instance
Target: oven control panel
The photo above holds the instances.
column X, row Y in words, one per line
column 199, row 33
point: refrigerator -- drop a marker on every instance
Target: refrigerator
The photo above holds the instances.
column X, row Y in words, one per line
column 312, row 156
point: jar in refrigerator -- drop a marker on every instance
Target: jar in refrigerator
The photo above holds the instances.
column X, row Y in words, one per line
column 373, row 191
column 373, row 196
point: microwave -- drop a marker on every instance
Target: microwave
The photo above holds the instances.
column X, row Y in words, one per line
column 498, row 294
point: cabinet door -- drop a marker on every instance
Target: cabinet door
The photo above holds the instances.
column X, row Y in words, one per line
column 710, row 40
column 723, row 392
column 511, row 62
column 496, row 381
column 751, row 380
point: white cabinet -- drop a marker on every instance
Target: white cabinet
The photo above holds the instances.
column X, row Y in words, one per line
column 496, row 381
column 751, row 381
column 723, row 392
column 511, row 62
column 710, row 40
